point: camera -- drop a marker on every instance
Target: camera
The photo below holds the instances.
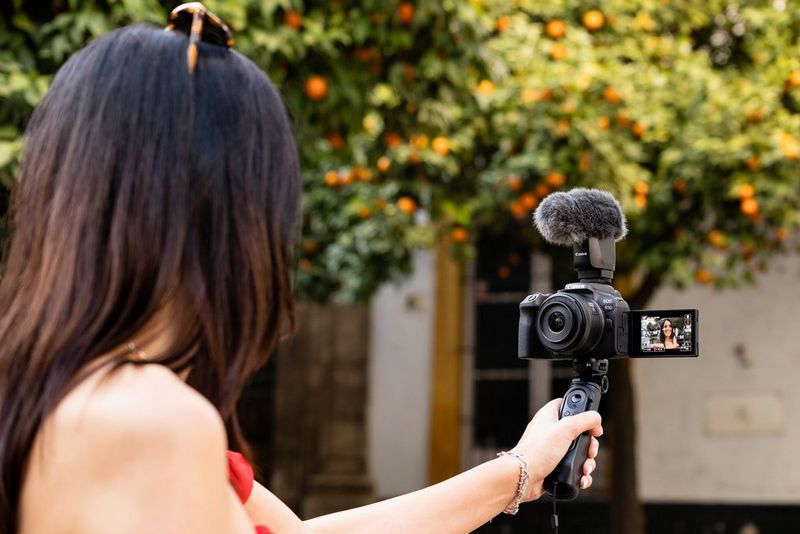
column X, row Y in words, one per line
column 588, row 321
column 583, row 320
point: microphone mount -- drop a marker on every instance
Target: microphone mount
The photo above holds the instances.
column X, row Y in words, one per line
column 595, row 260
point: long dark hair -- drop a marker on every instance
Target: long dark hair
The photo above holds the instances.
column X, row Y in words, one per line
column 141, row 185
column 661, row 336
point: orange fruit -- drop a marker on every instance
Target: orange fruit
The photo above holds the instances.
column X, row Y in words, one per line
column 641, row 187
column 604, row 123
column 304, row 265
column 611, row 95
column 680, row 186
column 504, row 272
column 703, row 276
column 746, row 191
column 310, row 246
column 392, row 139
column 542, row 190
column 558, row 51
column 363, row 54
column 459, row 235
column 755, row 115
column 556, row 29
column 380, row 203
column 413, row 156
column 441, row 145
column 530, row 95
column 518, row 210
column 593, row 20
column 419, row 141
column 623, row 121
column 584, row 160
column 364, row 213
column 562, row 126
column 362, row 173
column 790, row 146
column 555, row 179
column 514, row 182
column 316, row 88
column 794, row 79
column 293, row 19
column 406, row 205
column 638, row 129
column 346, row 178
column 529, row 200
column 717, row 239
column 384, row 164
column 753, row 163
column 750, row 207
column 485, row 87
column 336, row 141
column 331, row 178
column 405, row 13
column 640, row 201
column 502, row 23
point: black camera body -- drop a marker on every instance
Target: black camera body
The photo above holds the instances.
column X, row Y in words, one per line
column 583, row 320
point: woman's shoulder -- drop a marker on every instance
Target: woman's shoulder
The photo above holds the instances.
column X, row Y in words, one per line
column 146, row 404
column 129, row 433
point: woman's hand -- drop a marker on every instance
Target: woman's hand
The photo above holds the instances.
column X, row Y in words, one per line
column 546, row 440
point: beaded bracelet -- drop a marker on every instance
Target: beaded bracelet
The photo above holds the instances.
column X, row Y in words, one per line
column 522, row 484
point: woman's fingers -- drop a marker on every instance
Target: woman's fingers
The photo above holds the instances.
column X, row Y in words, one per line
column 594, row 447
column 586, row 481
column 589, row 466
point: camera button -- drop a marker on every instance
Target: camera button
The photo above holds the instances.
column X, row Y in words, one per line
column 566, row 413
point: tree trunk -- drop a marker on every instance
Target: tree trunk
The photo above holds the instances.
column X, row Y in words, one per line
column 626, row 511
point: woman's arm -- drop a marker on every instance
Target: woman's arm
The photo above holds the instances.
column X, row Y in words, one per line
column 465, row 502
column 457, row 505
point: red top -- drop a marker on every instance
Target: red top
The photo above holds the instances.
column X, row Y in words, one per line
column 240, row 473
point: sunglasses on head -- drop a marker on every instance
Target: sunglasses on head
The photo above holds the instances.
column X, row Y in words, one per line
column 200, row 24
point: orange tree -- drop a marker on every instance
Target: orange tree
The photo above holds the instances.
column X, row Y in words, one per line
column 426, row 121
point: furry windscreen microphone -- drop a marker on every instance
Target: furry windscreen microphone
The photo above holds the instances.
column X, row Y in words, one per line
column 570, row 218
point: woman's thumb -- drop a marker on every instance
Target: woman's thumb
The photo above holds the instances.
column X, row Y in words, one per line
column 576, row 425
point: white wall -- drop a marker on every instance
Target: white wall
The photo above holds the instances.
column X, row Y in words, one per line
column 401, row 360
column 725, row 427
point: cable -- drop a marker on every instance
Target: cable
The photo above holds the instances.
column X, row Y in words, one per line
column 554, row 518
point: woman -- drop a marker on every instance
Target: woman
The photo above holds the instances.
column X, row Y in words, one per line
column 147, row 279
column 667, row 337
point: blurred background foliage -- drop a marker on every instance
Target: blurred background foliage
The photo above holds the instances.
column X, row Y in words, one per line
column 426, row 122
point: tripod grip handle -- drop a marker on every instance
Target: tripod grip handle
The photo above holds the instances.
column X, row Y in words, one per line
column 564, row 482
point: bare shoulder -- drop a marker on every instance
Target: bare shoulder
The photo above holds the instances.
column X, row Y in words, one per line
column 136, row 414
column 137, row 439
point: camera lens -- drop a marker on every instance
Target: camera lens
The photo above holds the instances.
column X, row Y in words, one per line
column 556, row 321
column 567, row 324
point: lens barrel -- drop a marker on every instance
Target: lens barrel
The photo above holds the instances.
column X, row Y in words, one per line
column 570, row 324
